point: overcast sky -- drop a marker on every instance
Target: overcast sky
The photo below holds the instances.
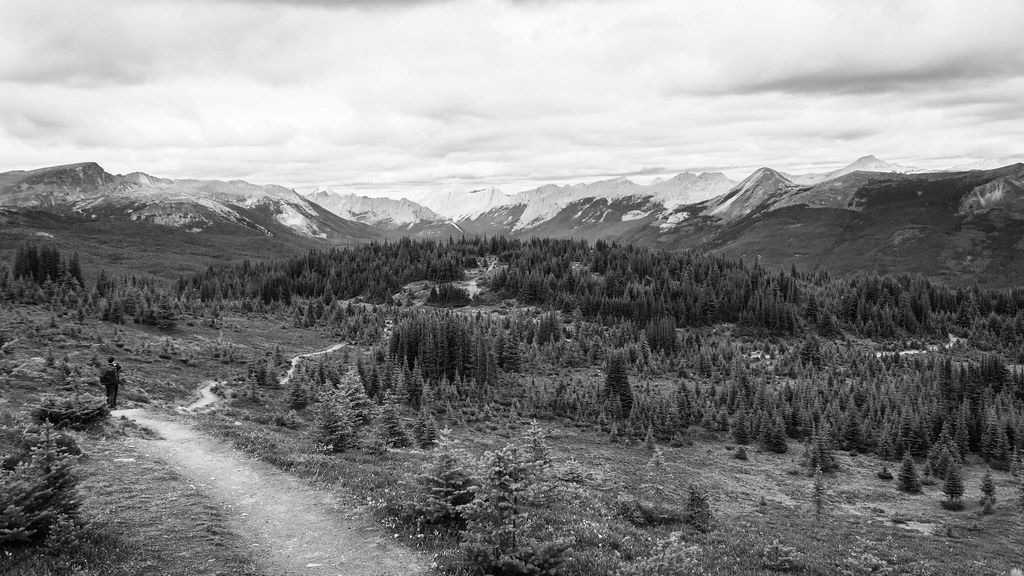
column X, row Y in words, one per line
column 401, row 97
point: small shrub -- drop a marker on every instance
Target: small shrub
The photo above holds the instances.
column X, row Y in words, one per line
column 65, row 536
column 779, row 557
column 955, row 505
column 884, row 474
column 289, row 419
column 77, row 412
column 640, row 513
column 740, row 453
column 670, row 558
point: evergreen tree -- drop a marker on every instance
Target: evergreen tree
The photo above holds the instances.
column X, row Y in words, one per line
column 335, row 421
column 501, row 532
column 953, row 488
column 819, row 495
column 390, row 428
column 988, row 489
column 297, row 396
column 424, row 431
column 741, row 427
column 821, row 455
column 617, row 386
column 444, row 486
column 37, row 492
column 908, row 478
column 698, row 509
column 773, row 437
column 654, row 473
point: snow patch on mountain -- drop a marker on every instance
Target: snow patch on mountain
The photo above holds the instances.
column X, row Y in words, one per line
column 296, row 220
column 460, row 205
column 382, row 212
column 635, row 215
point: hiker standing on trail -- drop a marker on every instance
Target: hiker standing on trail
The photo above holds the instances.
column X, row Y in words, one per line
column 111, row 379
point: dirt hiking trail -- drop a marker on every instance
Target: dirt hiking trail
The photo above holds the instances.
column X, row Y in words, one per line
column 293, row 529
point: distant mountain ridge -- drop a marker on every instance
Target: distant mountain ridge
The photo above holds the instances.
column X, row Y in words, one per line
column 87, row 191
column 385, row 213
column 958, row 226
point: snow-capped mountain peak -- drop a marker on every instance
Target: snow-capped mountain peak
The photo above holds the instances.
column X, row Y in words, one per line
column 382, row 212
column 458, row 204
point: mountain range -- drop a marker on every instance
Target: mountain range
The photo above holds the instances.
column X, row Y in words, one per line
column 959, row 226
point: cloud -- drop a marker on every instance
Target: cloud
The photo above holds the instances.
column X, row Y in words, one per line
column 411, row 96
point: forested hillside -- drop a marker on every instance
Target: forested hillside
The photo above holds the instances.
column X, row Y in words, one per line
column 632, row 346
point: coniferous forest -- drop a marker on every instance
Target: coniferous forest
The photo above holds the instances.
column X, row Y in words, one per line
column 643, row 350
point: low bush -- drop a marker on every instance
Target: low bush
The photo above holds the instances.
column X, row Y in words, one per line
column 640, row 513
column 72, row 412
column 780, row 558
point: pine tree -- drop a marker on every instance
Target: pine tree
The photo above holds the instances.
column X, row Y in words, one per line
column 988, row 489
column 335, row 421
column 819, row 494
column 698, row 509
column 953, row 488
column 908, row 478
column 500, row 530
column 1017, row 464
column 424, row 431
column 649, row 439
column 297, row 396
column 654, row 473
column 444, row 486
column 741, row 427
column 36, row 493
column 389, row 427
column 821, row 455
column 773, row 436
column 617, row 386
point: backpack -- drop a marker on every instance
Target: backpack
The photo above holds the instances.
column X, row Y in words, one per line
column 109, row 376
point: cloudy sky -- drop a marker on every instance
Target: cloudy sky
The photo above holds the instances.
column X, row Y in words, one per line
column 402, row 97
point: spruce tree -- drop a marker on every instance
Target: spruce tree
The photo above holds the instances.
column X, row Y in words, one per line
column 908, row 478
column 617, row 386
column 500, row 535
column 389, row 427
column 741, row 427
column 424, row 431
column 37, row 492
column 297, row 396
column 335, row 421
column 819, row 494
column 698, row 509
column 953, row 488
column 773, row 436
column 821, row 455
column 654, row 473
column 444, row 486
column 988, row 489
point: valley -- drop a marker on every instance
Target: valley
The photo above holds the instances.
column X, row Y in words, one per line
column 626, row 385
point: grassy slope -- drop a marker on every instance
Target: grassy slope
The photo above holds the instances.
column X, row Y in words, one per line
column 868, row 522
column 146, row 518
column 137, row 247
column 869, row 526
